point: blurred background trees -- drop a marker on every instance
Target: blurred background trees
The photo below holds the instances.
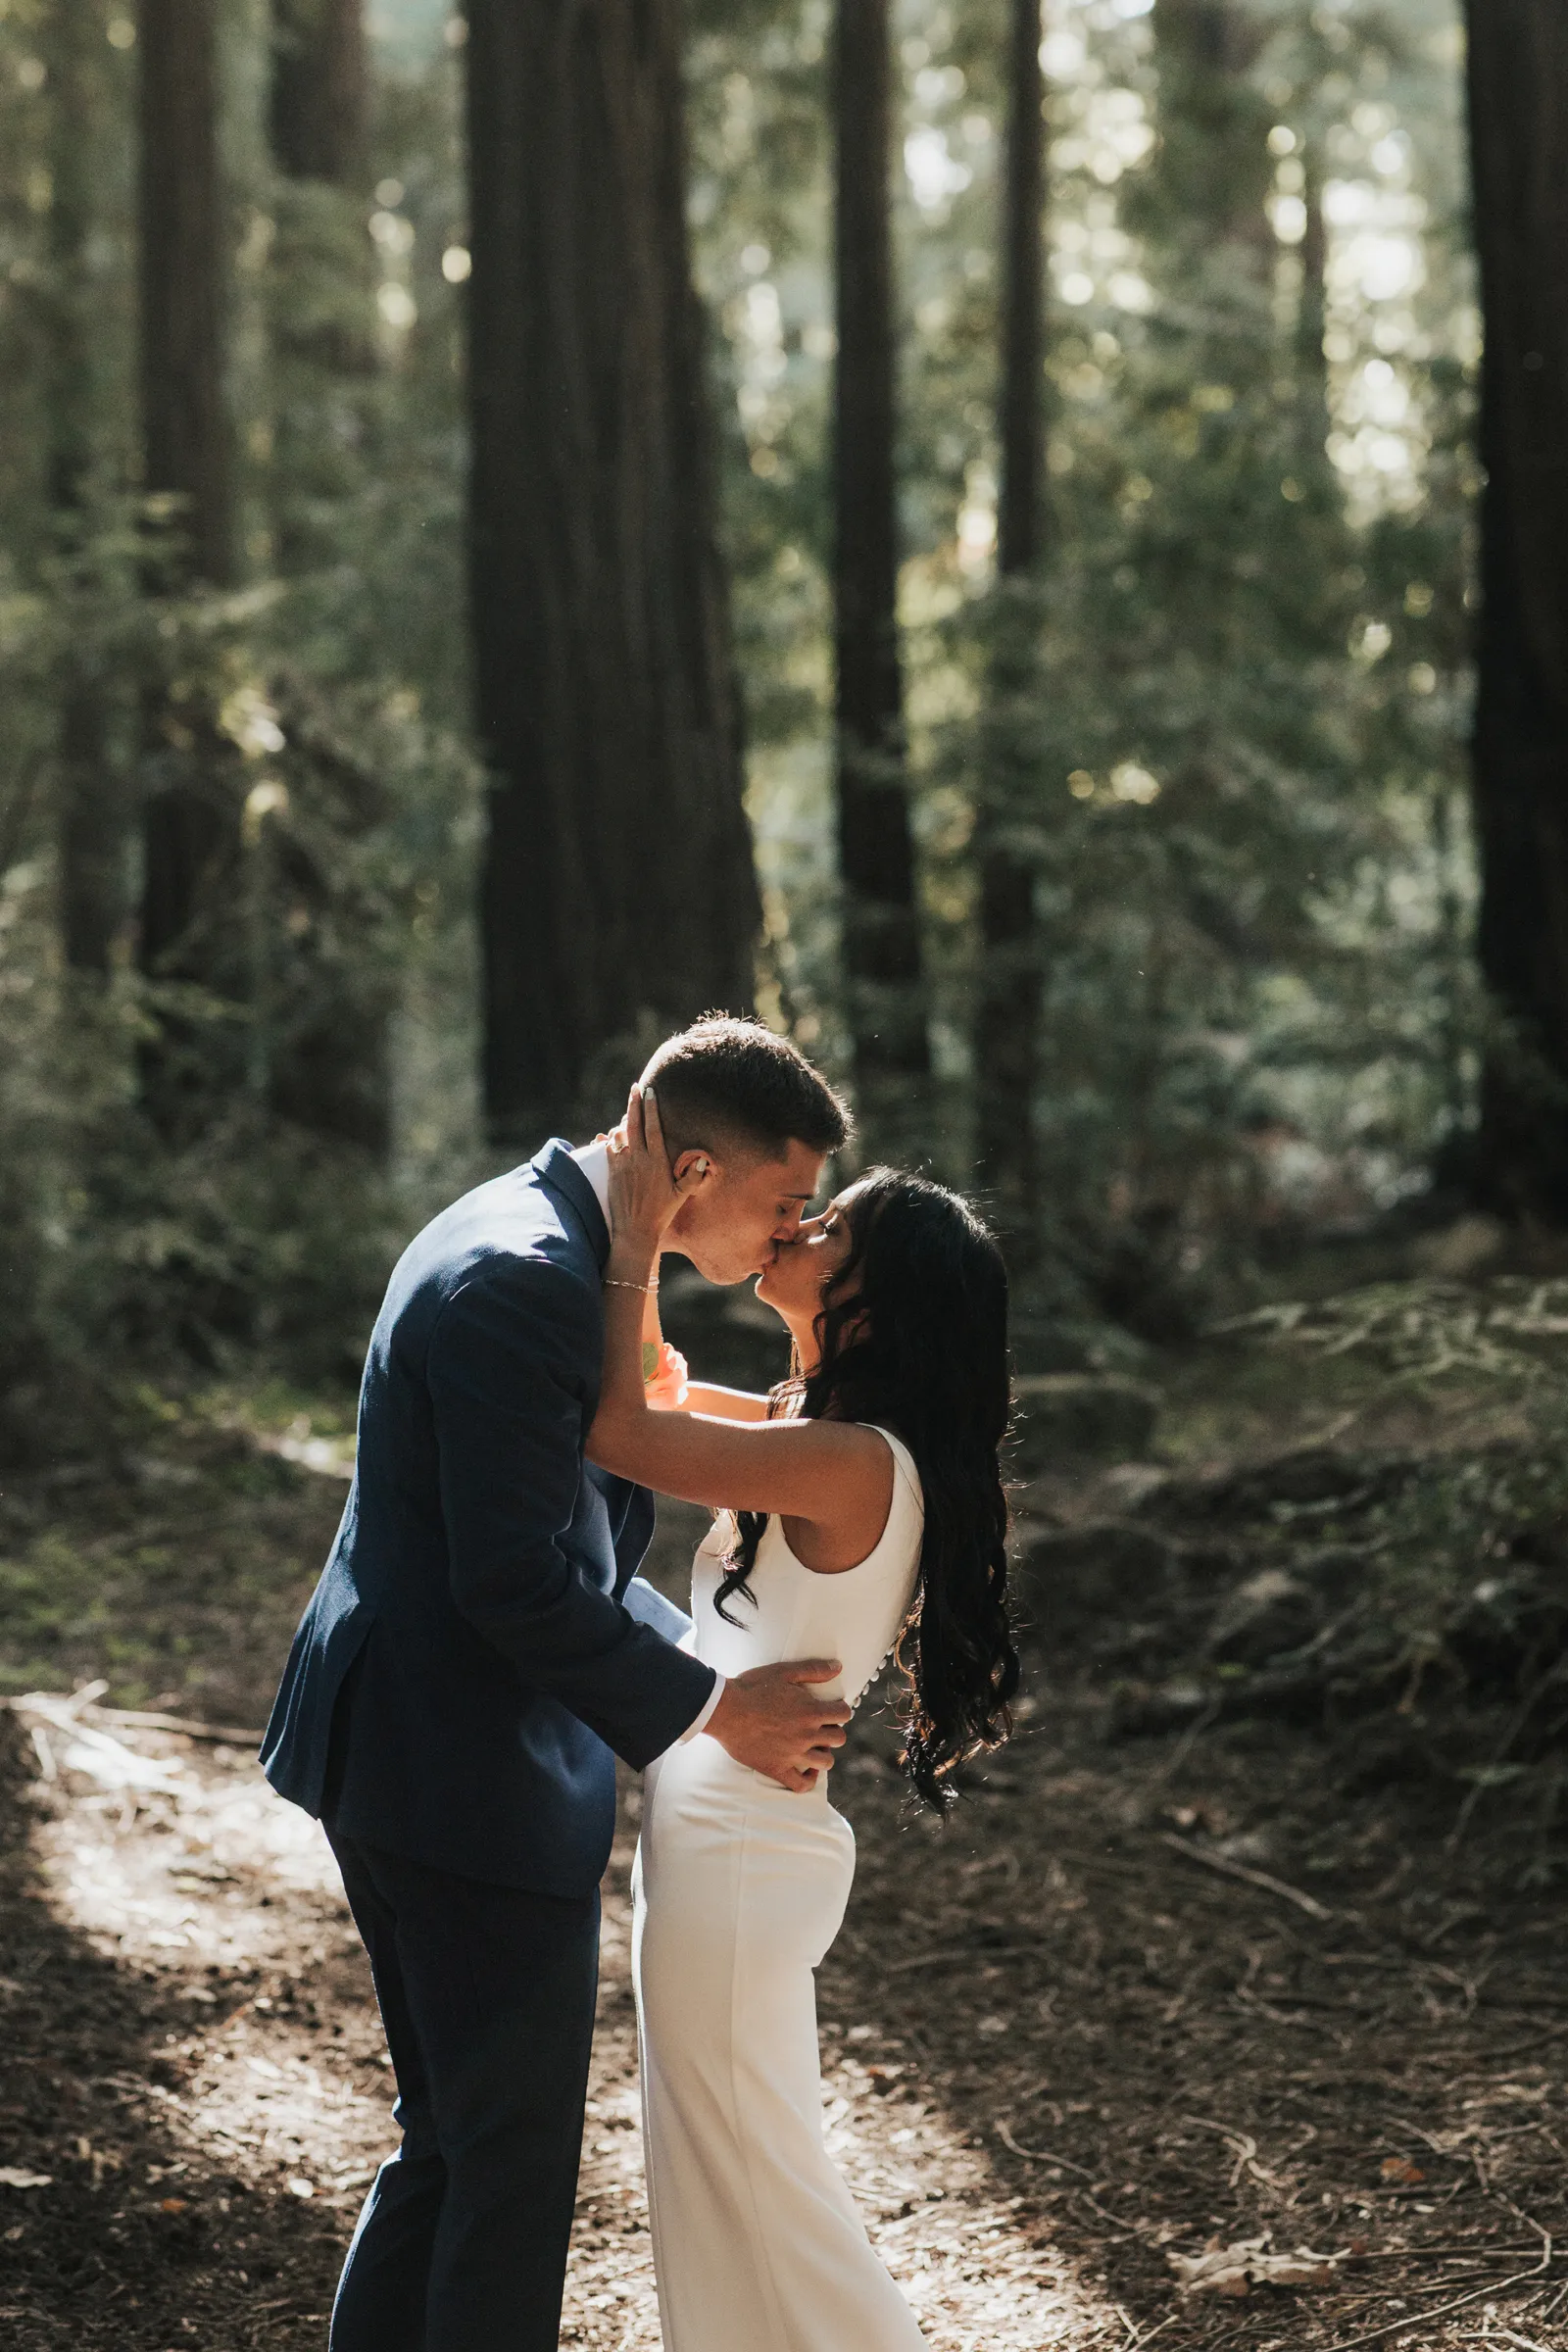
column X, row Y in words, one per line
column 879, row 930
column 964, row 529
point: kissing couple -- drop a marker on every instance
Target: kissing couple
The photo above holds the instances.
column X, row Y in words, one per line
column 480, row 1648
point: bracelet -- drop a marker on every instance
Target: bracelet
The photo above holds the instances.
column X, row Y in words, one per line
column 650, row 1290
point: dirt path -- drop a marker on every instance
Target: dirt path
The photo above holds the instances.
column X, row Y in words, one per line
column 1063, row 2039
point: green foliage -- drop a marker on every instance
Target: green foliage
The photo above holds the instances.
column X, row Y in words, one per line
column 318, row 712
column 1254, row 890
column 1226, row 723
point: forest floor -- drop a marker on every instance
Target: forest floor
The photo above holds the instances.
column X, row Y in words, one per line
column 1251, row 1979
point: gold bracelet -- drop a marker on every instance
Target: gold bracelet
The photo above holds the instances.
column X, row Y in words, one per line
column 650, row 1290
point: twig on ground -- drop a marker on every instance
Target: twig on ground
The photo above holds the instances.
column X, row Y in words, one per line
column 1471, row 2252
column 1252, row 1878
column 56, row 1706
column 1440, row 2311
column 951, row 1955
column 1114, row 2221
column 1242, row 2146
column 1530, row 2222
column 1184, row 1746
column 1556, row 2303
column 63, row 1708
column 228, row 1735
column 1040, row 2155
column 1519, row 2049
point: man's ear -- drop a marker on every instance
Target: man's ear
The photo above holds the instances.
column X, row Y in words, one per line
column 693, row 1169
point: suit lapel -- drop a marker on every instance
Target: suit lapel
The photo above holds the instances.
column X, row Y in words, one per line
column 630, row 1506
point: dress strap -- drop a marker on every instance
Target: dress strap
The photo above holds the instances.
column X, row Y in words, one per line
column 903, row 1463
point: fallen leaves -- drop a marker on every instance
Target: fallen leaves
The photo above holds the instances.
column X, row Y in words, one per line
column 1399, row 2172
column 13, row 2176
column 1236, row 2268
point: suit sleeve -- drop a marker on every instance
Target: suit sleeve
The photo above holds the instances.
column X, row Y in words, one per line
column 511, row 1375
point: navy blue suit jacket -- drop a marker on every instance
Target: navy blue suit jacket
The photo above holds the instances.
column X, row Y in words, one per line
column 482, row 1587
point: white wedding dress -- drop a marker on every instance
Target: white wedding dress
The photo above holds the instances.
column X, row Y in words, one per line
column 740, row 1889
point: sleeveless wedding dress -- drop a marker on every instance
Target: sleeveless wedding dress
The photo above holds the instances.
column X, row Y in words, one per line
column 740, row 1889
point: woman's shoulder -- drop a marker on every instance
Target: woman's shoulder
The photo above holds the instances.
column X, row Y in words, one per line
column 905, row 1471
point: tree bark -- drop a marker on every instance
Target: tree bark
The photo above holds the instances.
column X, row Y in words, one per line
column 1022, row 433
column 320, row 90
column 882, row 952
column 1213, row 170
column 1009, row 998
column 1311, row 317
column 1518, row 90
column 327, row 1066
column 185, row 428
column 91, row 819
column 190, row 825
column 619, row 893
column 320, row 308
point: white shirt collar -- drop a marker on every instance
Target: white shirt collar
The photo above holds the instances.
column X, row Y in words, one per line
column 594, row 1161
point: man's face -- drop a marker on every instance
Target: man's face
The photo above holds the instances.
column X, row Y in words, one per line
column 749, row 1204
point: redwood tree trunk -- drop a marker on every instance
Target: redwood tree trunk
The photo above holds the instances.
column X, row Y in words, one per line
column 321, row 312
column 1518, row 76
column 1022, row 420
column 1311, row 318
column 618, row 892
column 1213, row 170
column 882, row 957
column 191, row 833
column 91, row 819
column 183, row 271
column 320, row 90
column 327, row 1066
column 1008, row 1005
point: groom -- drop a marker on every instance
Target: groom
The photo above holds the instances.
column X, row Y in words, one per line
column 478, row 1651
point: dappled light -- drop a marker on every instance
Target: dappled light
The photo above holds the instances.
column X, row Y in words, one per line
column 1018, row 546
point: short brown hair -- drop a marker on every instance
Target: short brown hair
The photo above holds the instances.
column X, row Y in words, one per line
column 732, row 1076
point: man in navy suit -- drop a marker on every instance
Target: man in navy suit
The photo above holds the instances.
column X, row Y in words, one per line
column 478, row 1652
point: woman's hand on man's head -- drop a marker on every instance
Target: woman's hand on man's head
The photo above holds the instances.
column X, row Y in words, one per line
column 645, row 1198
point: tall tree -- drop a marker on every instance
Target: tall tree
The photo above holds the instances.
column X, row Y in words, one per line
column 1009, row 998
column 1213, row 173
column 92, row 832
column 320, row 312
column 188, row 458
column 1518, row 87
column 320, row 90
column 190, row 827
column 882, row 953
column 326, row 1062
column 618, row 891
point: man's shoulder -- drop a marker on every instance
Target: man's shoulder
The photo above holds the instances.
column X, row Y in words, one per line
column 514, row 1230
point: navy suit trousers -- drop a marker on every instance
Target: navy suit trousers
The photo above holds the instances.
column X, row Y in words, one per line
column 487, row 1997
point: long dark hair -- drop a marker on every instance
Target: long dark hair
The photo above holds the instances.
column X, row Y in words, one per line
column 913, row 1337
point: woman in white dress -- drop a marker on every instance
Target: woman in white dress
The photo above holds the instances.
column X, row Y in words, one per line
column 860, row 1510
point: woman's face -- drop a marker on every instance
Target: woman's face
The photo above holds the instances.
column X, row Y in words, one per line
column 798, row 1277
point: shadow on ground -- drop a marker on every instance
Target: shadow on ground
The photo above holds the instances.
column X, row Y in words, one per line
column 137, row 2231
column 1167, row 1995
column 1239, row 1984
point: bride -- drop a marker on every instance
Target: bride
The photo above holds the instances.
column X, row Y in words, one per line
column 859, row 1513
